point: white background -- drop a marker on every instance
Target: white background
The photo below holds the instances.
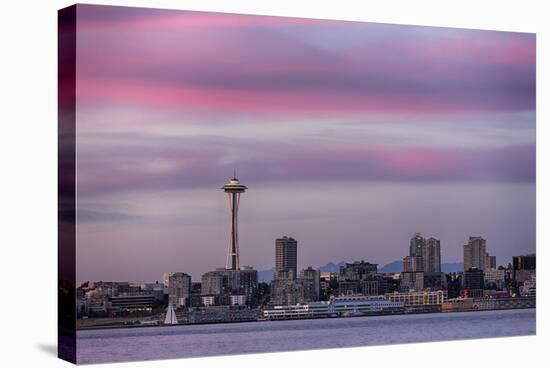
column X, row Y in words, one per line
column 28, row 185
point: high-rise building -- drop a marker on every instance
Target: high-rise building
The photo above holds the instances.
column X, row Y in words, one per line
column 179, row 285
column 524, row 267
column 475, row 253
column 432, row 255
column 166, row 277
column 286, row 257
column 234, row 189
column 423, row 264
column 413, row 264
column 429, row 250
column 417, row 244
column 528, row 262
column 490, row 262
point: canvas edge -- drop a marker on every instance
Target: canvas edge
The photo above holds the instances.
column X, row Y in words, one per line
column 66, row 184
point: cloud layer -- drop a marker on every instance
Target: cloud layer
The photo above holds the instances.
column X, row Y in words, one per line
column 172, row 101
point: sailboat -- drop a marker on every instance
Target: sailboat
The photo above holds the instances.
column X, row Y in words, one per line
column 170, row 316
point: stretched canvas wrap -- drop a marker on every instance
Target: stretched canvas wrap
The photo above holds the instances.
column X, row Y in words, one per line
column 239, row 183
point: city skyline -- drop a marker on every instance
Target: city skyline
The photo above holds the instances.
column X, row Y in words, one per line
column 352, row 137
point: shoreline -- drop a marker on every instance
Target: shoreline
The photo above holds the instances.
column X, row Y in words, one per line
column 92, row 328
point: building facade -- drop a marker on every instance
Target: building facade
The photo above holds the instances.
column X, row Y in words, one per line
column 475, row 253
column 286, row 257
column 224, row 283
column 179, row 286
column 432, row 255
column 474, row 281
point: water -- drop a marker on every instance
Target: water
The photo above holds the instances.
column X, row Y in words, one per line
column 98, row 346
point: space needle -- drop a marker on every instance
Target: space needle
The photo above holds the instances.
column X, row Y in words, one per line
column 234, row 189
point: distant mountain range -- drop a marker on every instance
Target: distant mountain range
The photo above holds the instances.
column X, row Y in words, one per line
column 393, row 267
column 397, row 266
column 267, row 275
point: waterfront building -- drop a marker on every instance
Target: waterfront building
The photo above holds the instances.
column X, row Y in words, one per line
column 286, row 291
column 504, row 303
column 208, row 300
column 458, row 305
column 286, row 257
column 336, row 307
column 326, row 280
column 237, row 300
column 413, row 298
column 529, row 287
column 132, row 302
column 224, row 283
column 218, row 314
column 179, row 285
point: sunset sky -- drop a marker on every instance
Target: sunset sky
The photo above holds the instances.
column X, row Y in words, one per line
column 350, row 136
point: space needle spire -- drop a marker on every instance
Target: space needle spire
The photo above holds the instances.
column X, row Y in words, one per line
column 234, row 189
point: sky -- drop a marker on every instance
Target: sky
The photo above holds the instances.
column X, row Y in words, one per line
column 350, row 136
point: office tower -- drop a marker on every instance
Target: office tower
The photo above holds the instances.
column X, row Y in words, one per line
column 417, row 245
column 234, row 189
column 412, row 277
column 475, row 253
column 524, row 267
column 179, row 285
column 429, row 249
column 413, row 264
column 166, row 277
column 286, row 257
column 432, row 255
column 490, row 262
column 528, row 262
